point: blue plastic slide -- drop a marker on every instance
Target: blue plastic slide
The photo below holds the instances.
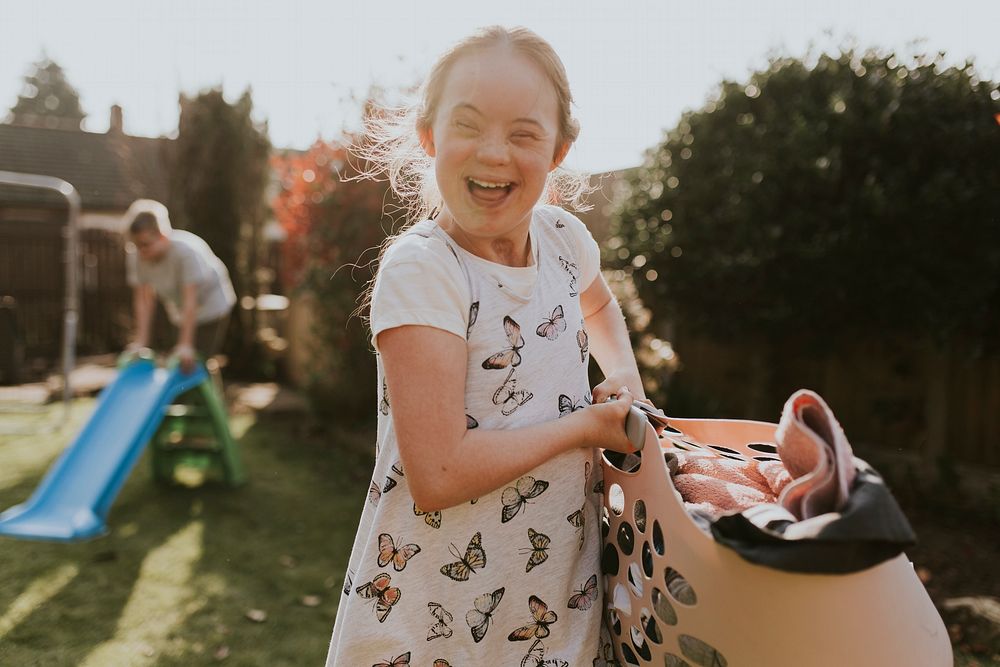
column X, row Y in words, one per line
column 73, row 500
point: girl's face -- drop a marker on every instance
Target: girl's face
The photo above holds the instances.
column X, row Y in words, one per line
column 495, row 138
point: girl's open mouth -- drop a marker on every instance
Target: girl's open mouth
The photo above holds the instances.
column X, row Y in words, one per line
column 488, row 192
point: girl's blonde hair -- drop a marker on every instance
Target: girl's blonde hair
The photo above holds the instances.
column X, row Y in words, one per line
column 391, row 145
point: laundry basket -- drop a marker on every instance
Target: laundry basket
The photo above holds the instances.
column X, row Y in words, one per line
column 676, row 598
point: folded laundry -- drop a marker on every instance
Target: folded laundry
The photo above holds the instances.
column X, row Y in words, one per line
column 814, row 508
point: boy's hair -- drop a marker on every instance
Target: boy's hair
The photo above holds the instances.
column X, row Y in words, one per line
column 392, row 148
column 146, row 215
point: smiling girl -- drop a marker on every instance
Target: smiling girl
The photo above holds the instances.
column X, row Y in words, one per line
column 479, row 542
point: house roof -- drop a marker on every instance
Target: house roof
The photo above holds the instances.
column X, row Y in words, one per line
column 108, row 170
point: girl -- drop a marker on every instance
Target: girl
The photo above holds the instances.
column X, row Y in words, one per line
column 480, row 539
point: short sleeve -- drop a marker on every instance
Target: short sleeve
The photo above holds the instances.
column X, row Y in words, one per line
column 588, row 257
column 132, row 268
column 420, row 282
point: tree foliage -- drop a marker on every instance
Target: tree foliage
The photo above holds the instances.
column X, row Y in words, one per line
column 47, row 99
column 333, row 227
column 218, row 176
column 818, row 202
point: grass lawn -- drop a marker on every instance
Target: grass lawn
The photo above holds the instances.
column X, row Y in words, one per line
column 182, row 569
column 252, row 576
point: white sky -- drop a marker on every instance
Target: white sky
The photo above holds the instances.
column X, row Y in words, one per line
column 634, row 65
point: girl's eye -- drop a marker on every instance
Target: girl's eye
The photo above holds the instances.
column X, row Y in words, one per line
column 464, row 126
column 524, row 135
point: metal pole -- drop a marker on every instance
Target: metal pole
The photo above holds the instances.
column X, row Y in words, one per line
column 71, row 308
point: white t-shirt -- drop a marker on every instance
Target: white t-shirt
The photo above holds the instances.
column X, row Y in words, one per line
column 412, row 290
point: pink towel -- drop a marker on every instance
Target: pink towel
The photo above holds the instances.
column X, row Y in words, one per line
column 813, row 477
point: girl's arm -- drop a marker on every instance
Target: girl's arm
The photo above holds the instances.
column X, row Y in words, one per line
column 609, row 341
column 446, row 463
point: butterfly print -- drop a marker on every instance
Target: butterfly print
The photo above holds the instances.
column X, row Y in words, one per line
column 473, row 314
column 348, row 582
column 536, row 657
column 470, row 422
column 385, row 596
column 515, row 497
column 389, row 553
column 397, row 468
column 539, row 627
column 432, row 519
column 479, row 617
column 574, row 273
column 584, row 598
column 583, row 342
column 401, row 661
column 440, row 627
column 374, row 494
column 559, row 224
column 509, row 397
column 383, row 405
column 551, row 327
column 539, row 551
column 578, row 520
column 599, row 486
column 512, row 355
column 568, row 407
column 441, row 662
column 474, row 559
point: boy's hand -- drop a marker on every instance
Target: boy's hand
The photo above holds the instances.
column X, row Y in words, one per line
column 185, row 357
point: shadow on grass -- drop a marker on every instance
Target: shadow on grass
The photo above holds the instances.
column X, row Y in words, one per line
column 173, row 581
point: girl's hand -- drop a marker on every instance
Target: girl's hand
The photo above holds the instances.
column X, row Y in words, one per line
column 608, row 428
column 612, row 386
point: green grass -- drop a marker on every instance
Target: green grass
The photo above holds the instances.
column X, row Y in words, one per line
column 173, row 581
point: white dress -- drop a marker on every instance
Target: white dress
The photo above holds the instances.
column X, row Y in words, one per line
column 511, row 578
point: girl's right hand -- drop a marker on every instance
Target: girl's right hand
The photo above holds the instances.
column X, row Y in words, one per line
column 608, row 427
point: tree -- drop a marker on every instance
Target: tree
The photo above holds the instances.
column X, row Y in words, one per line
column 332, row 221
column 47, row 100
column 819, row 203
column 218, row 176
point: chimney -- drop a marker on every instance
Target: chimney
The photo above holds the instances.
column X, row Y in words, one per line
column 115, row 126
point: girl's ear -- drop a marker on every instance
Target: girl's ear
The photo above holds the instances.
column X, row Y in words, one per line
column 560, row 155
column 426, row 135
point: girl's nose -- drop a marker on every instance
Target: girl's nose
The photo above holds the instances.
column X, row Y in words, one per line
column 494, row 150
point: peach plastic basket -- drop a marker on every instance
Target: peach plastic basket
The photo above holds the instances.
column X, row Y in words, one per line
column 678, row 598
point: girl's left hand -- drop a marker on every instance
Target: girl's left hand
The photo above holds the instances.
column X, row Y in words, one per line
column 613, row 382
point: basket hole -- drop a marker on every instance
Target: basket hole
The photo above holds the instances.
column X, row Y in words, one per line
column 766, row 458
column 614, row 622
column 609, row 560
column 626, row 538
column 605, row 523
column 663, row 608
column 657, row 537
column 620, row 600
column 690, row 444
column 647, row 560
column 639, row 513
column 650, row 627
column 700, row 652
column 670, row 429
column 731, row 452
column 635, row 579
column 671, row 660
column 765, row 447
column 679, row 588
column 616, row 499
column 639, row 642
column 629, row 656
column 623, row 462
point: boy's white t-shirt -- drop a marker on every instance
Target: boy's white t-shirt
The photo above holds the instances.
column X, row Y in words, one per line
column 434, row 294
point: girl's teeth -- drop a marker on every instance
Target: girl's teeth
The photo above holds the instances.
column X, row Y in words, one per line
column 483, row 184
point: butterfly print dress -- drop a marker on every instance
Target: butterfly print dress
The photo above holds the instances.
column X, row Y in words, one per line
column 509, row 578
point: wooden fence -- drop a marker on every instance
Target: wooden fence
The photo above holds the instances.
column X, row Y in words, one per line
column 32, row 271
column 911, row 397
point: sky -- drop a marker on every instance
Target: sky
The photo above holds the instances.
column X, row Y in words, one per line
column 634, row 65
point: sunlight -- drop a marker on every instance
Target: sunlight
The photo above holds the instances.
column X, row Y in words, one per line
column 162, row 598
column 38, row 593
